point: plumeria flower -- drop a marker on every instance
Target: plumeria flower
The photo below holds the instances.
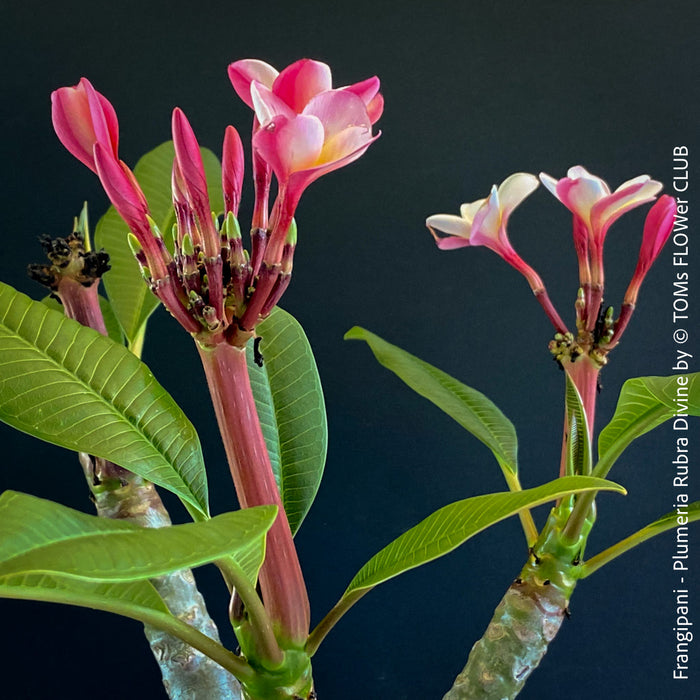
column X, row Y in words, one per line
column 83, row 117
column 299, row 83
column 596, row 208
column 303, row 129
column 484, row 222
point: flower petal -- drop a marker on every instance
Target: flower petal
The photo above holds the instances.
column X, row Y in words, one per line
column 609, row 209
column 299, row 181
column 290, row 145
column 450, row 224
column 368, row 92
column 301, row 81
column 243, row 73
column 267, row 105
column 487, row 221
column 338, row 110
column 468, row 210
column 513, row 190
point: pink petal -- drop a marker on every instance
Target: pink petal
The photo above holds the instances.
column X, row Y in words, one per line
column 267, row 105
column 301, row 81
column 243, row 73
column 232, row 168
column 368, row 92
column 580, row 195
column 299, row 181
column 487, row 221
column 337, row 110
column 290, row 145
column 343, row 143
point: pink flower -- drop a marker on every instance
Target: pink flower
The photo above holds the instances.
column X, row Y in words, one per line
column 595, row 209
column 657, row 228
column 484, row 222
column 333, row 130
column 83, row 117
column 299, row 83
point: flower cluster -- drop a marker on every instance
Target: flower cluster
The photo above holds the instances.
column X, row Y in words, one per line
column 595, row 208
column 303, row 128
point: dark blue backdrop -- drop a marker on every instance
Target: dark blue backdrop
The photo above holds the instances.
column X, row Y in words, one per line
column 474, row 91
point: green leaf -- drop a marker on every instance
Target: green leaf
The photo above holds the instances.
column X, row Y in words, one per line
column 443, row 531
column 42, row 537
column 114, row 330
column 131, row 298
column 470, row 408
column 670, row 521
column 578, row 445
column 645, row 403
column 130, row 599
column 69, row 385
column 289, row 400
column 454, row 524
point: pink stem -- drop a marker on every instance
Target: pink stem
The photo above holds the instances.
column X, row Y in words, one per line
column 281, row 579
column 82, row 303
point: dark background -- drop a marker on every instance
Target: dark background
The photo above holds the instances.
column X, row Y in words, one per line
column 474, row 91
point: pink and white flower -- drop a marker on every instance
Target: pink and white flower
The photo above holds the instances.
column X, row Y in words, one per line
column 299, row 83
column 484, row 222
column 595, row 209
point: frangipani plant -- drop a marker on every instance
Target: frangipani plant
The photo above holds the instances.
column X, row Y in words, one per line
column 173, row 231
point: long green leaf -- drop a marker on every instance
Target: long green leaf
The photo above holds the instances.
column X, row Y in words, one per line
column 454, row 524
column 68, row 385
column 289, row 400
column 470, row 408
column 670, row 521
column 445, row 530
column 578, row 444
column 644, row 404
column 130, row 297
column 42, row 537
column 122, row 598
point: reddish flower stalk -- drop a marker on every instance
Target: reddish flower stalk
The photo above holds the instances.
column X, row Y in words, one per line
column 281, row 580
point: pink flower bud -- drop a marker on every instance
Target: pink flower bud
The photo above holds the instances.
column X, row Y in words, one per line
column 657, row 229
column 232, row 169
column 82, row 117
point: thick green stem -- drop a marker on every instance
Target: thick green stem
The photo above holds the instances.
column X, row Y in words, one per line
column 525, row 622
column 281, row 580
